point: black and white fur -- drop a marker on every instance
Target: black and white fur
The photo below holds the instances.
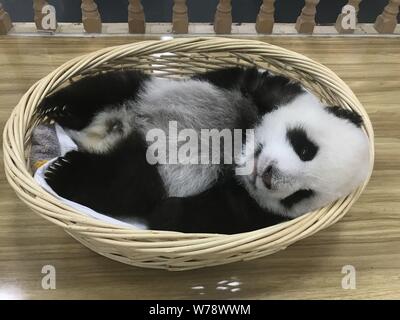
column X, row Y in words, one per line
column 307, row 154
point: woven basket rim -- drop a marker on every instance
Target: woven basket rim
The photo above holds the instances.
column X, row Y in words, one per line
column 17, row 130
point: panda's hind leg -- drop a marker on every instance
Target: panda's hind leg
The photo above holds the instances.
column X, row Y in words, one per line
column 74, row 106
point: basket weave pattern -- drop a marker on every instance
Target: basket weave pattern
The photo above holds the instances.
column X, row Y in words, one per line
column 174, row 58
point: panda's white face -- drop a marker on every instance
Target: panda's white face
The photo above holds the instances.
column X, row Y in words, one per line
column 304, row 157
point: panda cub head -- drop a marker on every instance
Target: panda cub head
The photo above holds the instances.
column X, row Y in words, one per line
column 306, row 155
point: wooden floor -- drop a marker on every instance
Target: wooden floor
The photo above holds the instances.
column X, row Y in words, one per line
column 368, row 238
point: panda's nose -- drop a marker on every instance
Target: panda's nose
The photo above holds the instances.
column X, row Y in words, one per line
column 267, row 176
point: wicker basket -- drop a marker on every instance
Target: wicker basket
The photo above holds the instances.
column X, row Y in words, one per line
column 175, row 58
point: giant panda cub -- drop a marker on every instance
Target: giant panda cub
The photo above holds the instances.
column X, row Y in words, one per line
column 302, row 154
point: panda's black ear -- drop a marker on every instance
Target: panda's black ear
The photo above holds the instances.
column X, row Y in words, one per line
column 350, row 115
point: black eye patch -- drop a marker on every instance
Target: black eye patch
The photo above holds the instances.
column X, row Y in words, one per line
column 302, row 145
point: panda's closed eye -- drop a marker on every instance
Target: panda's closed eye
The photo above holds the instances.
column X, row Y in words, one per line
column 302, row 145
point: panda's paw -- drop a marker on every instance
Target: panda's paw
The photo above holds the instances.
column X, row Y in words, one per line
column 53, row 107
column 66, row 113
column 64, row 175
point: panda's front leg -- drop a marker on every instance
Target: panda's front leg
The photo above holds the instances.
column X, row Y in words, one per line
column 68, row 174
column 74, row 106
